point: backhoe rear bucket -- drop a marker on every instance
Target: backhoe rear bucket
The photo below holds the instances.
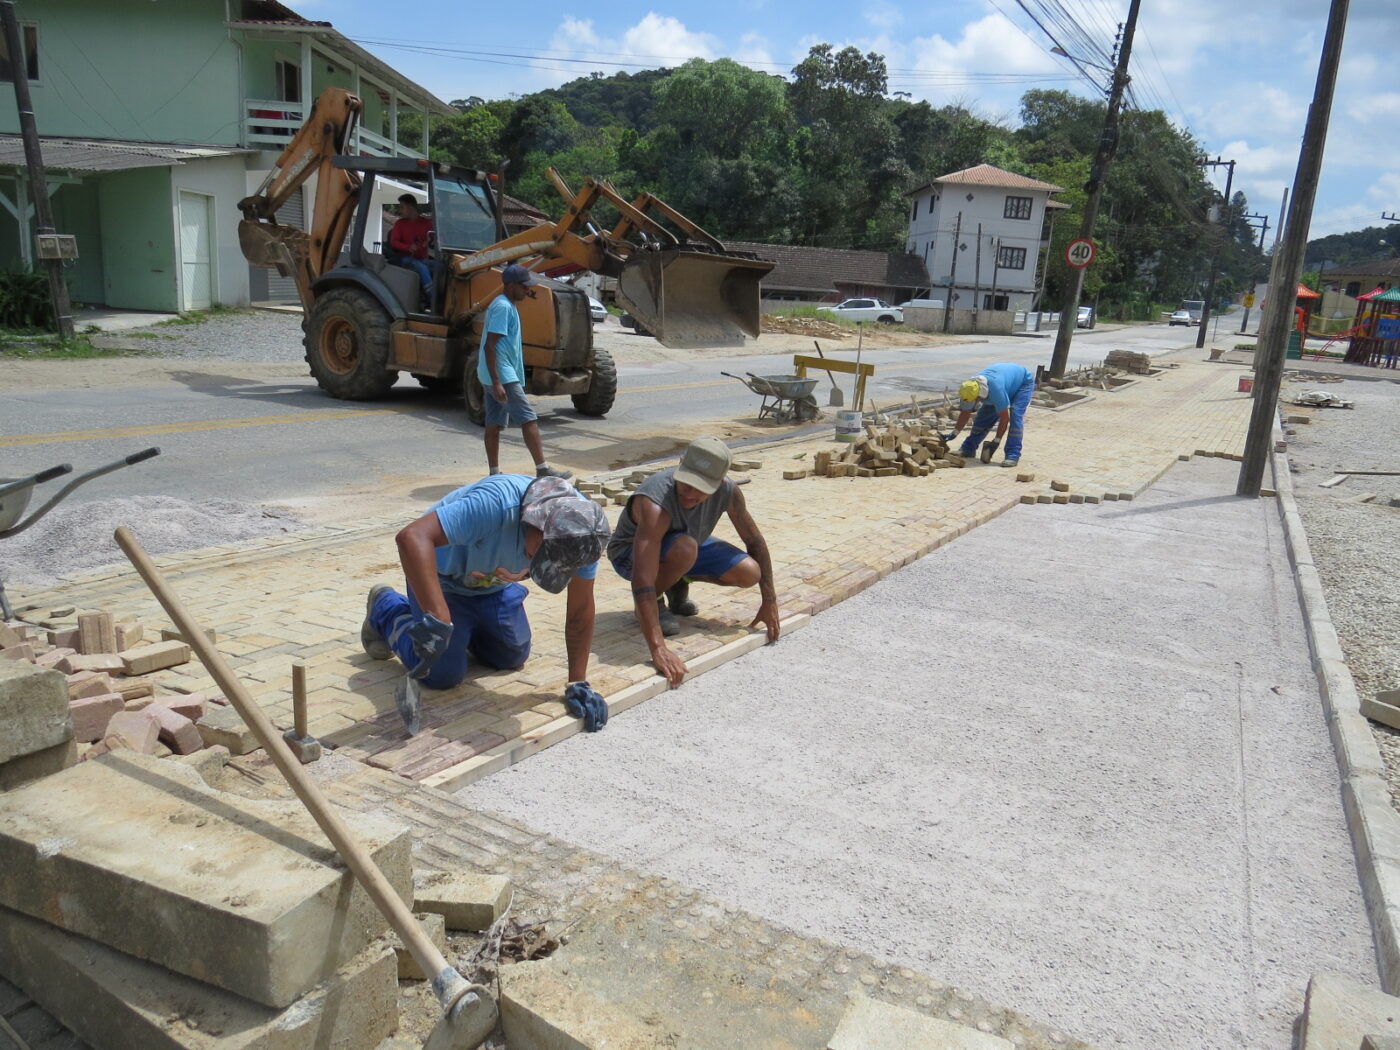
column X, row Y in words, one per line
column 691, row 298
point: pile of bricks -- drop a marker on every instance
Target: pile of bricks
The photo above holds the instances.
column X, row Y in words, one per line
column 1133, row 361
column 111, row 700
column 912, row 448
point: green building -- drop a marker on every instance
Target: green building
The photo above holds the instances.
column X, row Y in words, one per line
column 157, row 117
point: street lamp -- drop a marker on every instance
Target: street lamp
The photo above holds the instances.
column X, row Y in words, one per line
column 1080, row 63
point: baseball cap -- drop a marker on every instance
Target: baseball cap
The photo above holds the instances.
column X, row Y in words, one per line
column 517, row 274
column 971, row 391
column 704, row 464
column 575, row 531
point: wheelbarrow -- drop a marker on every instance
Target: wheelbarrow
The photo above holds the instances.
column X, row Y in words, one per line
column 15, row 493
column 784, row 397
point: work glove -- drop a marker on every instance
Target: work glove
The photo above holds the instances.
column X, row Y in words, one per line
column 428, row 636
column 581, row 700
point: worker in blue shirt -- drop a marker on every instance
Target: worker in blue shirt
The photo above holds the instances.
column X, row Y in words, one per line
column 465, row 561
column 999, row 394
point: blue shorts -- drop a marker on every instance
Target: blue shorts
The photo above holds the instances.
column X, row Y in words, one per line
column 517, row 408
column 712, row 560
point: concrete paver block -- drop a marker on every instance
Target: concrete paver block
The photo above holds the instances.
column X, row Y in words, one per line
column 176, row 731
column 145, row 857
column 224, row 726
column 33, row 709
column 1339, row 1013
column 155, row 657
column 109, row 663
column 97, row 633
column 436, row 929
column 869, row 1024
column 465, row 900
column 191, row 706
column 118, row 1002
column 88, row 683
column 137, row 731
column 91, row 715
column 26, row 769
column 24, row 651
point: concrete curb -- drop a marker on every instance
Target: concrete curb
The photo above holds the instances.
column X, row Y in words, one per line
column 1371, row 819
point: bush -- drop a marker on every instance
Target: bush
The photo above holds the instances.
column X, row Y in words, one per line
column 24, row 300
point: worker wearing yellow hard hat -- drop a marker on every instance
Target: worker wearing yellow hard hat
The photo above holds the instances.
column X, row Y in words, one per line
column 998, row 395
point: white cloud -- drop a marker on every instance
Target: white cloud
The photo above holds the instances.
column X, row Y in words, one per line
column 883, row 15
column 667, row 40
column 753, row 51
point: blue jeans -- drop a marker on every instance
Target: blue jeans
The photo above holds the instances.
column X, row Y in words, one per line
column 421, row 268
column 491, row 629
column 986, row 418
column 712, row 560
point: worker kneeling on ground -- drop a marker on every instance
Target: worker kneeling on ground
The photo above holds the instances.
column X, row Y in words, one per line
column 464, row 562
column 999, row 394
column 663, row 544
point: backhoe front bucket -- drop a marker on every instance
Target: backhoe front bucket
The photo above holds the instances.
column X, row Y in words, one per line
column 691, row 298
column 272, row 246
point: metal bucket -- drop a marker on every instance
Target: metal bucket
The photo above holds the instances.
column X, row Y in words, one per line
column 688, row 298
column 848, row 426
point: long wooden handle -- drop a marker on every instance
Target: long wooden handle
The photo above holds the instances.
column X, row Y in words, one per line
column 424, row 952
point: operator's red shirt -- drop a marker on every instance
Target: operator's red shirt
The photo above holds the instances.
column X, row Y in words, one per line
column 410, row 237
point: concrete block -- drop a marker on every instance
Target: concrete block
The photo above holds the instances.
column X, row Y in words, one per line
column 1044, row 497
column 9, row 636
column 54, row 658
column 1060, row 497
column 64, row 638
column 108, row 663
column 224, row 726
column 465, row 900
column 143, row 856
column 1025, row 477
column 88, row 683
column 137, row 731
column 171, row 634
column 1378, row 710
column 129, row 636
column 176, row 731
column 131, row 688
column 155, row 657
column 1381, row 1042
column 189, row 705
column 24, row 651
column 97, row 633
column 869, row 1024
column 1060, row 486
column 91, row 716
column 1028, row 498
column 119, row 1002
column 1339, row 1013
column 433, row 925
column 26, row 769
column 1076, row 497
column 33, row 709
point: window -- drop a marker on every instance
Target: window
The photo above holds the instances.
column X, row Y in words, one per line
column 462, row 217
column 1011, row 258
column 1017, row 208
column 1353, row 288
column 288, row 81
column 30, row 35
column 994, row 302
column 915, row 213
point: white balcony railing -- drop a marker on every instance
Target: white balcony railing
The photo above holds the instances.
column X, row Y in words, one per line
column 271, row 125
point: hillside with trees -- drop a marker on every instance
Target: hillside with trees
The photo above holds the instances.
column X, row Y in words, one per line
column 1358, row 246
column 826, row 156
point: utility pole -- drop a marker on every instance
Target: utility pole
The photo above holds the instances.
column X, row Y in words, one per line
column 34, row 162
column 952, row 276
column 1288, row 264
column 1215, row 253
column 1263, row 229
column 1271, row 287
column 1108, row 146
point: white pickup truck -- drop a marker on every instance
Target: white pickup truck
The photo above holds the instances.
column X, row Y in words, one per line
column 866, row 310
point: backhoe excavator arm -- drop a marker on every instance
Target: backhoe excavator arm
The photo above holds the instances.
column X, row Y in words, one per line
column 325, row 136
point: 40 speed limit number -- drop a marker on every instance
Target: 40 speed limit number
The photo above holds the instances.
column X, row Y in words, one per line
column 1080, row 253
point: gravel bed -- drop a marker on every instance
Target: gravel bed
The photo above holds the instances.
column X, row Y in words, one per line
column 1356, row 546
column 243, row 335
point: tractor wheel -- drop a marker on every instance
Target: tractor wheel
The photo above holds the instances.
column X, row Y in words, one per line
column 347, row 345
column 473, row 393
column 602, row 391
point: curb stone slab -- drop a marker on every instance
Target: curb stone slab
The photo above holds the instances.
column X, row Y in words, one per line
column 869, row 1024
column 1340, row 1013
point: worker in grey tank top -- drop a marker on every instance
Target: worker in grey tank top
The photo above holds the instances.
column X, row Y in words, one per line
column 663, row 543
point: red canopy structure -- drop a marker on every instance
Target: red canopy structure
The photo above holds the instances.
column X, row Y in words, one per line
column 1375, row 339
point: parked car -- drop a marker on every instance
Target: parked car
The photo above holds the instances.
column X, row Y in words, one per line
column 866, row 310
column 1181, row 317
column 597, row 310
column 1085, row 318
column 925, row 304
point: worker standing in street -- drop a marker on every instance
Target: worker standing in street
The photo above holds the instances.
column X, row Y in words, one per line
column 1000, row 395
column 465, row 561
column 500, row 366
column 663, row 543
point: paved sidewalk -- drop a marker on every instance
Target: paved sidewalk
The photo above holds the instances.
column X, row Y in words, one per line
column 1075, row 763
column 301, row 597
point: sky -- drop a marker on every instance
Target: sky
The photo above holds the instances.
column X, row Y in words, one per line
column 1239, row 76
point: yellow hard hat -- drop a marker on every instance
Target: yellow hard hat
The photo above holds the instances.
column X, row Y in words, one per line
column 969, row 392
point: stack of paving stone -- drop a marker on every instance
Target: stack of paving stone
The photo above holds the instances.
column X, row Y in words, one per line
column 912, row 448
column 112, row 700
column 146, row 910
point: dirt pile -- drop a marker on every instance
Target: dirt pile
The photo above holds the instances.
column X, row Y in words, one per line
column 806, row 326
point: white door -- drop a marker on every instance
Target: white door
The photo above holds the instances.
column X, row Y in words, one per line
column 196, row 252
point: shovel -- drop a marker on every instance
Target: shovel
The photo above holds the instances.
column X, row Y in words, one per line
column 468, row 1010
column 837, row 399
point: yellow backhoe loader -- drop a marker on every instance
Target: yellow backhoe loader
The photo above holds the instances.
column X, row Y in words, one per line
column 366, row 320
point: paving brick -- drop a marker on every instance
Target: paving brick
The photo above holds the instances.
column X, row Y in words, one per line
column 869, row 1024
column 91, row 715
column 190, row 705
column 137, row 731
column 224, row 726
column 176, row 731
column 110, row 663
column 1060, row 486
column 65, row 638
column 23, row 651
column 155, row 657
column 33, row 710
column 9, row 636
column 465, row 900
column 434, row 926
column 96, row 633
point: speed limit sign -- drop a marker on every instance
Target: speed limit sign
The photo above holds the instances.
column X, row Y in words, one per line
column 1080, row 253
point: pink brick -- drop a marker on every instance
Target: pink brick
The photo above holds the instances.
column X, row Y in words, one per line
column 176, row 731
column 19, row 652
column 137, row 730
column 107, row 662
column 65, row 639
column 88, row 683
column 54, row 657
column 191, row 706
column 92, row 715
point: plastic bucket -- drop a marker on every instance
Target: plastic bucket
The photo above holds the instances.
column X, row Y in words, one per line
column 1246, row 385
column 848, row 426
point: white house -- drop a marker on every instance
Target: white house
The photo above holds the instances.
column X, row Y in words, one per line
column 983, row 233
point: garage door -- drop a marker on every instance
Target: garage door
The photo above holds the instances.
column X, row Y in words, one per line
column 266, row 285
column 196, row 252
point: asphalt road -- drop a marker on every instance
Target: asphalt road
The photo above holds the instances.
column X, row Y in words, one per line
column 278, row 439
